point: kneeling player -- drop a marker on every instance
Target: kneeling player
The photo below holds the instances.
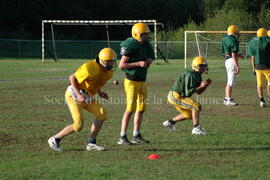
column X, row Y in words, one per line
column 85, row 83
column 188, row 82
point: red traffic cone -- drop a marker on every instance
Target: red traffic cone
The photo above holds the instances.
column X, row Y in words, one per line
column 153, row 156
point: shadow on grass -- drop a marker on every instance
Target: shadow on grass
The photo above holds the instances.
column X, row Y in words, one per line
column 74, row 149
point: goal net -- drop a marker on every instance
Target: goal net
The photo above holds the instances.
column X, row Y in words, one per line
column 208, row 44
column 52, row 47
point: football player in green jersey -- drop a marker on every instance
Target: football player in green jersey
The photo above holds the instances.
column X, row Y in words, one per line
column 259, row 50
column 230, row 48
column 188, row 83
column 137, row 55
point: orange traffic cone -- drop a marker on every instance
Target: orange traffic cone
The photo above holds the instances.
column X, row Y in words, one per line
column 153, row 156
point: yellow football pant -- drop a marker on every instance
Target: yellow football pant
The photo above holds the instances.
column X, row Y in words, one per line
column 76, row 111
column 136, row 94
column 259, row 76
column 183, row 105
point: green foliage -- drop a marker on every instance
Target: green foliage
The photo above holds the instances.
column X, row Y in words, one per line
column 210, row 7
column 238, row 12
column 264, row 17
column 225, row 18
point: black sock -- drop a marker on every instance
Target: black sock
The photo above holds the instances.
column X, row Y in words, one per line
column 57, row 140
column 92, row 140
column 171, row 121
column 196, row 125
column 262, row 99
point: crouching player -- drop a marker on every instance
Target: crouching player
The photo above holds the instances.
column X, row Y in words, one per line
column 85, row 83
column 188, row 83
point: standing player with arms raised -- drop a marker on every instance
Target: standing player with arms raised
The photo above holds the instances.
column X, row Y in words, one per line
column 259, row 50
column 137, row 55
column 230, row 48
column 188, row 83
column 85, row 83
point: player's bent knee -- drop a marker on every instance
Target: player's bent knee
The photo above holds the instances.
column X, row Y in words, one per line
column 102, row 117
column 188, row 116
column 77, row 127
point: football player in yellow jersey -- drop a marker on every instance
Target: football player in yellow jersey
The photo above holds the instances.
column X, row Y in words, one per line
column 85, row 83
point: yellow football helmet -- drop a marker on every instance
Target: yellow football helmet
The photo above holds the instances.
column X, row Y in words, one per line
column 268, row 33
column 107, row 58
column 233, row 30
column 261, row 32
column 197, row 62
column 138, row 30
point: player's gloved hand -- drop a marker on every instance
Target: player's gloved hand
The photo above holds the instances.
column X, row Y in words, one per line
column 254, row 73
column 80, row 98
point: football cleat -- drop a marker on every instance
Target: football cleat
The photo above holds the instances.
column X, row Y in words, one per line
column 169, row 126
column 230, row 102
column 54, row 144
column 262, row 104
column 94, row 147
column 139, row 140
column 124, row 141
column 198, row 131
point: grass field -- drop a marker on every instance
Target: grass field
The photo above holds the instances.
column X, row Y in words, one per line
column 32, row 109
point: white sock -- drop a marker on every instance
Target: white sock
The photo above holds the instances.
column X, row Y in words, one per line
column 123, row 134
column 56, row 136
column 136, row 133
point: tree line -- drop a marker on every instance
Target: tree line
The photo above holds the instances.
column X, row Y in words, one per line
column 248, row 15
column 21, row 19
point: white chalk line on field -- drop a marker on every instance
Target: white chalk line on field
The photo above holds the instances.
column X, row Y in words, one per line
column 66, row 78
column 34, row 79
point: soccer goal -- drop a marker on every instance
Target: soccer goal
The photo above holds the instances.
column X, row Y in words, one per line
column 208, row 44
column 106, row 23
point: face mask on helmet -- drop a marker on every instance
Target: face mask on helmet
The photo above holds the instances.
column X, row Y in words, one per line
column 109, row 65
column 144, row 36
column 140, row 32
column 233, row 30
column 200, row 65
column 107, row 58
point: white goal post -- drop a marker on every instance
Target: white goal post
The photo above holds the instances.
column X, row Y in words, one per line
column 93, row 22
column 208, row 43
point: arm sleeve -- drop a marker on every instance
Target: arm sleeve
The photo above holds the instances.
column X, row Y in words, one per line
column 250, row 52
column 125, row 51
column 151, row 50
column 82, row 73
column 223, row 49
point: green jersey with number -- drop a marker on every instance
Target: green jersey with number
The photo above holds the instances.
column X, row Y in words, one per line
column 187, row 82
column 136, row 52
column 229, row 45
column 259, row 47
